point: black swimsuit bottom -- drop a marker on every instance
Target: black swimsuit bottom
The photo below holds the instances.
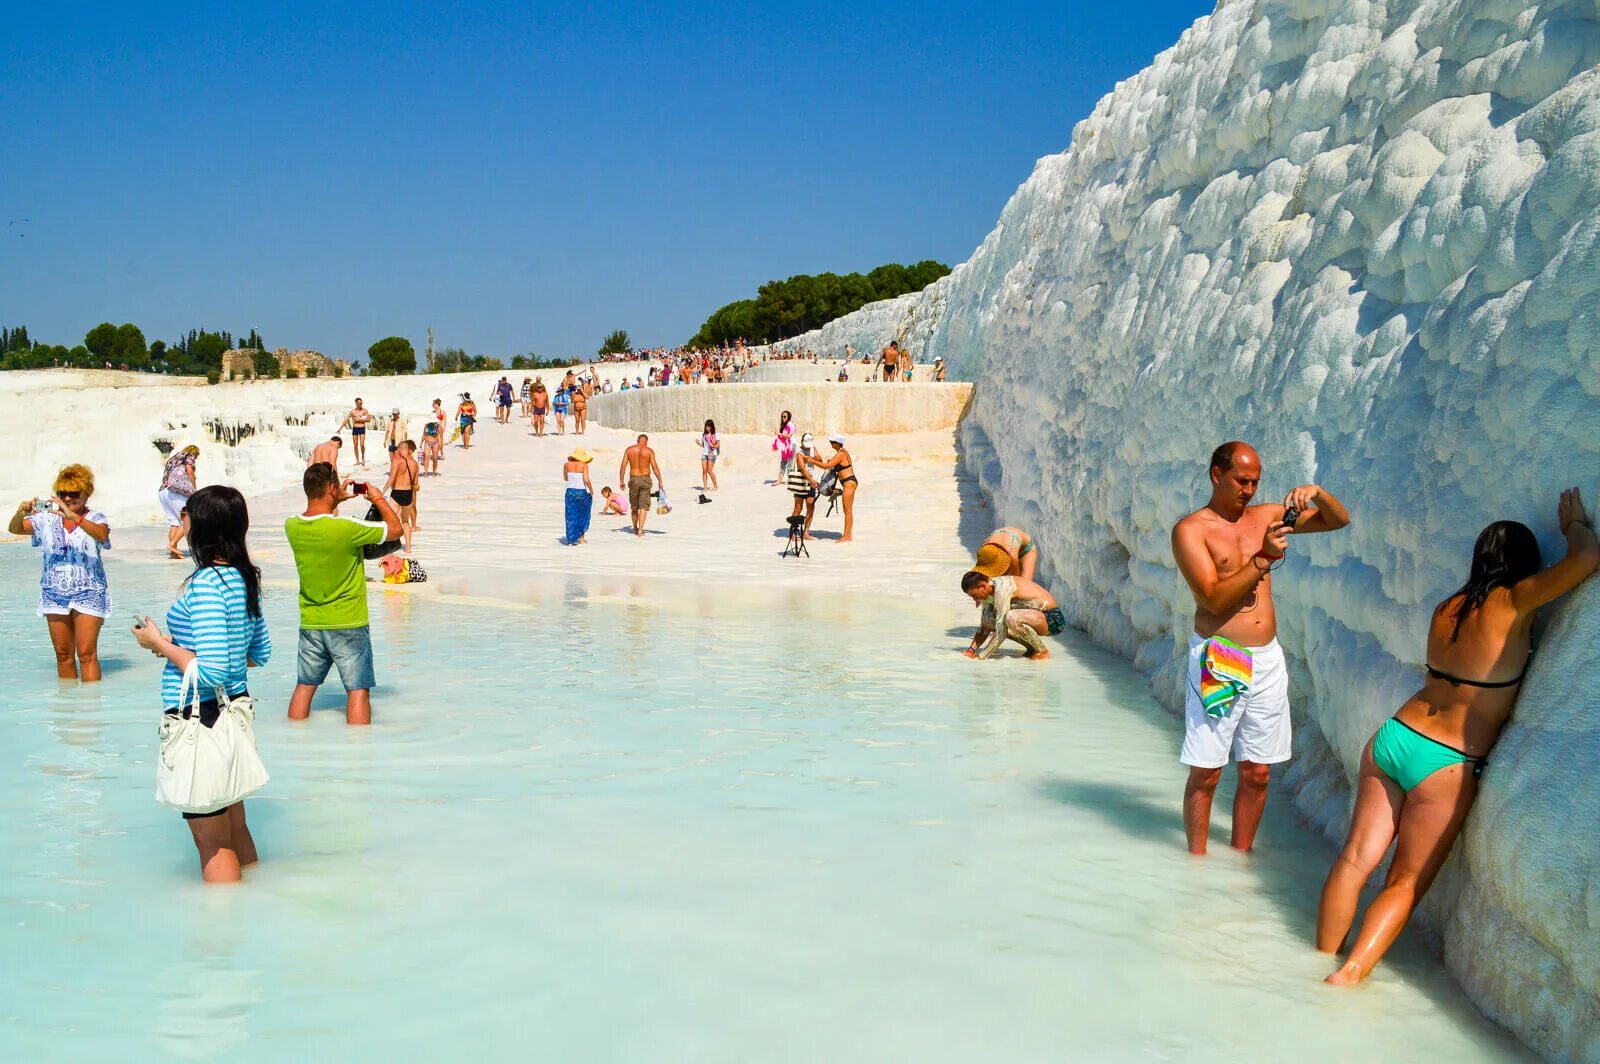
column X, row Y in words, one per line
column 1456, row 681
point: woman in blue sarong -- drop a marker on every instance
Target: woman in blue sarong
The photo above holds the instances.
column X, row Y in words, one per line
column 580, row 495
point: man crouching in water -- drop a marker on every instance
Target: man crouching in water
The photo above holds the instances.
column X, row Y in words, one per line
column 1014, row 607
column 1238, row 690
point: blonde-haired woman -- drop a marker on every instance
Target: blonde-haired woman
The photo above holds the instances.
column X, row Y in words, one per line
column 177, row 484
column 73, row 597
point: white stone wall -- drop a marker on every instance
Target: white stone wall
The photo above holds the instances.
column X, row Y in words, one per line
column 1366, row 237
column 754, row 408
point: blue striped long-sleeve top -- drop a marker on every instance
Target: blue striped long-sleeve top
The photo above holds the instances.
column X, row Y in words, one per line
column 210, row 619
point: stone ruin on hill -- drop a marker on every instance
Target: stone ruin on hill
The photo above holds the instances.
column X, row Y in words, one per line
column 241, row 363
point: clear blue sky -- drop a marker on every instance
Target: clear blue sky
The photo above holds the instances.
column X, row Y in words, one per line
column 521, row 177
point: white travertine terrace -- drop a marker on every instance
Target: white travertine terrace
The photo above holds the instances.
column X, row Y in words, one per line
column 1366, row 237
column 754, row 408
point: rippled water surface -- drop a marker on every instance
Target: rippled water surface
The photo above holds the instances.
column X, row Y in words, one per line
column 654, row 821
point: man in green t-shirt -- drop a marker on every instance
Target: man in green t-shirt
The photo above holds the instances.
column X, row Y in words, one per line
column 333, row 590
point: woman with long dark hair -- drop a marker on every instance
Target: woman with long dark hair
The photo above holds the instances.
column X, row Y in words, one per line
column 783, row 443
column 217, row 624
column 710, row 451
column 1419, row 772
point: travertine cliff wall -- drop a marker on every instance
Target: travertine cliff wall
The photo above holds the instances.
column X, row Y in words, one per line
column 1366, row 237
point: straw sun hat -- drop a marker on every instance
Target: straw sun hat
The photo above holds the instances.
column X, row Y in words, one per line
column 581, row 455
column 992, row 561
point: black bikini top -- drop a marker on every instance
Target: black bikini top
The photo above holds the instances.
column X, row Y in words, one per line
column 1456, row 681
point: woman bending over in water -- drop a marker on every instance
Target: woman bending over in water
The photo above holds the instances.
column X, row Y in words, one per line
column 1419, row 773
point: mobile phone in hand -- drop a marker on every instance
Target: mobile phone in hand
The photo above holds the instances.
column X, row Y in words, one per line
column 138, row 622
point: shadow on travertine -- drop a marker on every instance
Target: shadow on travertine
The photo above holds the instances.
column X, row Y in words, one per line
column 1287, row 863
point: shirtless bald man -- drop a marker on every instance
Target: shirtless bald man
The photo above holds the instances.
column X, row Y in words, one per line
column 1238, row 689
column 633, row 476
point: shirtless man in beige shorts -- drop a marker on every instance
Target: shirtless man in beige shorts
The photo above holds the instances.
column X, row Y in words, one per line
column 633, row 476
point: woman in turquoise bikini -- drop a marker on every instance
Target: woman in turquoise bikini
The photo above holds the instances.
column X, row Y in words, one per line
column 1419, row 773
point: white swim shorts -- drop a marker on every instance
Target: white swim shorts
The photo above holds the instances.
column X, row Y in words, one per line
column 1258, row 727
column 172, row 505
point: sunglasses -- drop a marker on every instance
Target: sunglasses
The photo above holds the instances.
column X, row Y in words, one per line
column 69, row 496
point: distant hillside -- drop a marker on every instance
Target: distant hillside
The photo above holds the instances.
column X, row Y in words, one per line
column 804, row 302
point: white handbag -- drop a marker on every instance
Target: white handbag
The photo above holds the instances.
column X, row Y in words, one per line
column 201, row 769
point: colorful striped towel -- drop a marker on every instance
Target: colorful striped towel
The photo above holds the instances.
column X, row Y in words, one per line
column 1225, row 672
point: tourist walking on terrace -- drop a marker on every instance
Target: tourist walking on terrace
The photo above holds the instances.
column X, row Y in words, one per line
column 783, row 443
column 1419, row 772
column 1238, row 688
column 466, row 418
column 526, row 395
column 633, row 476
column 177, row 484
column 402, row 485
column 710, row 451
column 560, row 404
column 395, row 433
column 844, row 471
column 74, row 598
column 580, row 408
column 502, row 401
column 333, row 592
column 215, row 625
column 433, row 440
column 357, row 421
column 1014, row 607
column 540, row 404
column 580, row 496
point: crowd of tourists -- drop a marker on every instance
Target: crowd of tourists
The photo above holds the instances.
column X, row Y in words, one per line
column 1418, row 773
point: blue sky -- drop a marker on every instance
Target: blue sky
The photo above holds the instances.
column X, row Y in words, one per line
column 521, row 177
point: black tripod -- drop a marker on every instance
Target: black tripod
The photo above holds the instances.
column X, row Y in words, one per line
column 797, row 540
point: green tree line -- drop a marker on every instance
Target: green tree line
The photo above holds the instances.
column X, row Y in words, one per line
column 197, row 352
column 809, row 301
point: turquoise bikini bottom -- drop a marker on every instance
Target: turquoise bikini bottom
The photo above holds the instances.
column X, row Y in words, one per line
column 1408, row 757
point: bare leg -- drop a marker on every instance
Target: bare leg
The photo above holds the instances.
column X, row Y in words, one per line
column 1197, row 795
column 1430, row 820
column 358, row 707
column 1372, row 828
column 811, row 515
column 1249, row 802
column 243, row 844
column 849, row 512
column 213, row 838
column 300, row 701
column 1026, row 626
column 86, row 642
column 62, row 643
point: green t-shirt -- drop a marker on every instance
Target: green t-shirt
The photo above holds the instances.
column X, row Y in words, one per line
column 327, row 554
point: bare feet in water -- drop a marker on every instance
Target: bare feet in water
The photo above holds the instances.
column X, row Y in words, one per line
column 1346, row 974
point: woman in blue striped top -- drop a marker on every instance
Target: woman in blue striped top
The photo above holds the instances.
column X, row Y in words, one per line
column 217, row 624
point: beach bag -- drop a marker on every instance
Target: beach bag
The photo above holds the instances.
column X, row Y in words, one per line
column 201, row 769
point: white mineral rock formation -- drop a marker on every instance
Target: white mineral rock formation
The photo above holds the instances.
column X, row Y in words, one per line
column 1365, row 237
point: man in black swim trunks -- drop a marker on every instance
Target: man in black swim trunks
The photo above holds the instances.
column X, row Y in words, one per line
column 1014, row 607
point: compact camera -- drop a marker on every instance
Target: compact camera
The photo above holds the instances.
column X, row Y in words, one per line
column 1290, row 515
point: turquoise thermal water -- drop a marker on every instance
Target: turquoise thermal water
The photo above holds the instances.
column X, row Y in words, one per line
column 601, row 820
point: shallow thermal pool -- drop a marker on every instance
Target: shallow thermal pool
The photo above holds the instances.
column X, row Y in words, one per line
column 652, row 821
